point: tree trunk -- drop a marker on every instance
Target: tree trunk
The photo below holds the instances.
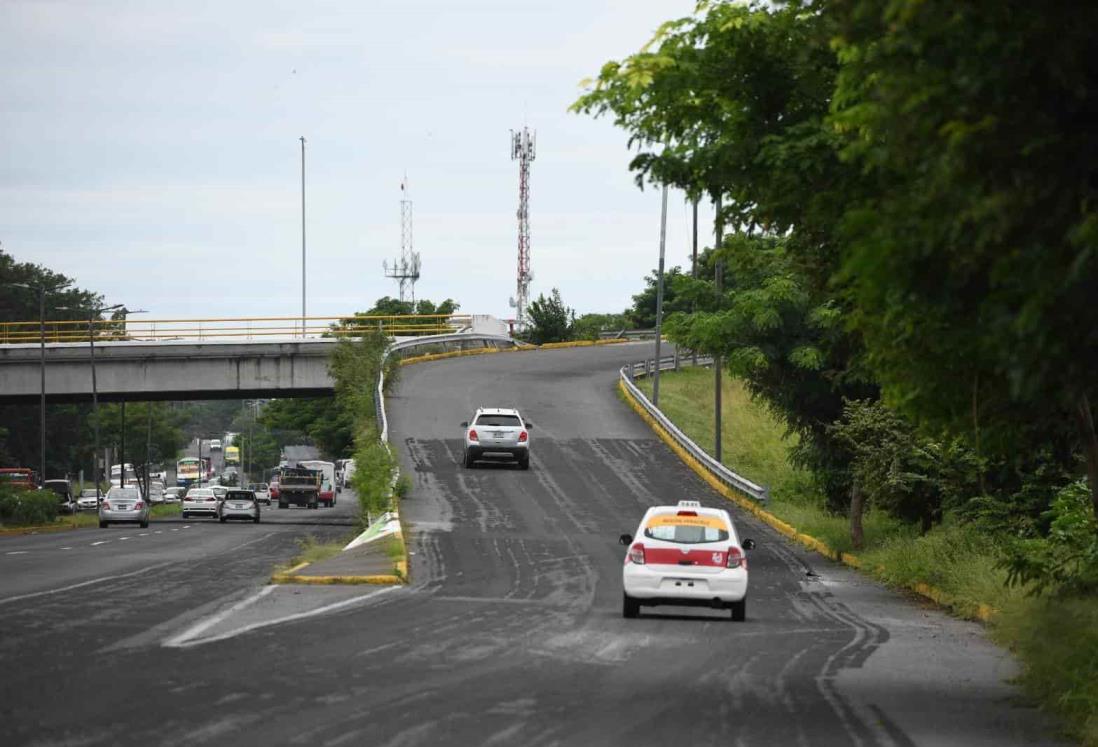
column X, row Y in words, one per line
column 857, row 508
column 1090, row 446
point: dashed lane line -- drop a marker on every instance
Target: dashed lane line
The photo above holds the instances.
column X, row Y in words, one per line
column 100, row 542
column 123, row 539
column 82, row 584
column 17, row 552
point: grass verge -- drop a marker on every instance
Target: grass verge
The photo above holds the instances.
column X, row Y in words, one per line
column 1056, row 639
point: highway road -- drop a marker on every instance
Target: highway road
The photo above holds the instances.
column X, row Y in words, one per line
column 511, row 632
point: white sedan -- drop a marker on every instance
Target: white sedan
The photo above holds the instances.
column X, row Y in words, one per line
column 685, row 555
column 199, row 501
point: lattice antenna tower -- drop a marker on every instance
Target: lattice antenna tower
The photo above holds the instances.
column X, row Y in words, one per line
column 406, row 269
column 523, row 150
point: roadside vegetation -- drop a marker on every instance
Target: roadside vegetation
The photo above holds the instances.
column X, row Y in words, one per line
column 905, row 232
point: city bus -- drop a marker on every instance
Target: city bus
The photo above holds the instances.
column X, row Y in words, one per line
column 187, row 471
column 232, row 455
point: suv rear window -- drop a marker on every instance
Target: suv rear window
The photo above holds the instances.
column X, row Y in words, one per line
column 686, row 530
column 511, row 421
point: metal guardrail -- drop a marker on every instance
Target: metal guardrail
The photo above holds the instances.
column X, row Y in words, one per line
column 722, row 473
column 248, row 328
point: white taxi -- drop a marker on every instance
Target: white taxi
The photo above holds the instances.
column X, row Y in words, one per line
column 685, row 555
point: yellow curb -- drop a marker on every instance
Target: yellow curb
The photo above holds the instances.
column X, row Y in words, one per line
column 984, row 612
column 285, row 578
column 517, row 349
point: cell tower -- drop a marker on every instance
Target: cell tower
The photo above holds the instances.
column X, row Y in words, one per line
column 406, row 269
column 523, row 147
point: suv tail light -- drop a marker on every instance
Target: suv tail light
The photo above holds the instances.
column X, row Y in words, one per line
column 736, row 558
column 473, row 436
column 523, row 437
column 636, row 554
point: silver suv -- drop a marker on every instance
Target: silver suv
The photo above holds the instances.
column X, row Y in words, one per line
column 497, row 432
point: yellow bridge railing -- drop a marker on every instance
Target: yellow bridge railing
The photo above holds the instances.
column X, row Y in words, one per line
column 230, row 328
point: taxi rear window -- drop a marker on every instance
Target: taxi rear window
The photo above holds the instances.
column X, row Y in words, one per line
column 686, row 529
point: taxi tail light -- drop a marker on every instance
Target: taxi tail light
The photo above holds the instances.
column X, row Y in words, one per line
column 473, row 436
column 523, row 437
column 106, row 505
column 139, row 505
column 688, row 513
column 736, row 558
column 636, row 554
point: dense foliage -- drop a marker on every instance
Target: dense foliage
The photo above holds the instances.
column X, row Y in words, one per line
column 908, row 267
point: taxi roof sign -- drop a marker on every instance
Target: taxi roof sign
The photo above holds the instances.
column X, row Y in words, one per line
column 689, row 504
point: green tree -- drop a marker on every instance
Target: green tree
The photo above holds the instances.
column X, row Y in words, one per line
column 973, row 267
column 550, row 319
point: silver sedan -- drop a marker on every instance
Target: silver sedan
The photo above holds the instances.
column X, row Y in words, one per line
column 124, row 504
column 238, row 504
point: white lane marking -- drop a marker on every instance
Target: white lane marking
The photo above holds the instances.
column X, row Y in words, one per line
column 186, row 527
column 279, row 620
column 175, row 529
column 204, row 625
column 158, row 532
column 123, row 539
column 100, row 542
column 83, row 583
column 17, row 552
column 66, row 548
column 143, row 534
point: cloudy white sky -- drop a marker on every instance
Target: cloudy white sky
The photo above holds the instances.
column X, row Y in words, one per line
column 150, row 150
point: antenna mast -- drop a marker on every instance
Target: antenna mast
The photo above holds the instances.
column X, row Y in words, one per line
column 523, row 147
column 406, row 269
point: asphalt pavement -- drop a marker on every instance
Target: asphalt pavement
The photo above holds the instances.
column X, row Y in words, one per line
column 511, row 631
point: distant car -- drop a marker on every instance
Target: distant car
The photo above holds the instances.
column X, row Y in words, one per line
column 272, row 488
column 219, row 491
column 238, row 504
column 262, row 492
column 88, row 500
column 124, row 504
column 63, row 488
column 215, row 445
column 685, row 555
column 496, row 432
column 173, row 495
column 199, row 501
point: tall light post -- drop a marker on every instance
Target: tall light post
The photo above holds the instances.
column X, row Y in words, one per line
column 659, row 300
column 92, row 314
column 302, row 138
column 41, row 291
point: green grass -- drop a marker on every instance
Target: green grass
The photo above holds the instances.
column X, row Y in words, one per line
column 310, row 550
column 1055, row 638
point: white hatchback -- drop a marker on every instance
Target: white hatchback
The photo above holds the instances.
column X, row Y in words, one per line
column 685, row 555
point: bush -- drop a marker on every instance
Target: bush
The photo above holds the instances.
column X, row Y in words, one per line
column 1065, row 561
column 373, row 478
column 27, row 506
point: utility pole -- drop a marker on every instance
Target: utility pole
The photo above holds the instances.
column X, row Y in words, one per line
column 302, row 138
column 148, row 446
column 719, row 285
column 694, row 261
column 659, row 299
column 122, row 455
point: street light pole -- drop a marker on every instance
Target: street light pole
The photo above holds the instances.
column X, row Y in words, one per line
column 95, row 396
column 718, row 282
column 659, row 300
column 302, row 138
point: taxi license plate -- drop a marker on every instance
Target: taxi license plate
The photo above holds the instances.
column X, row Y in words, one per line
column 499, row 434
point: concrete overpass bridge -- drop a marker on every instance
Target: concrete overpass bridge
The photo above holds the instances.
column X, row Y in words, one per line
column 170, row 365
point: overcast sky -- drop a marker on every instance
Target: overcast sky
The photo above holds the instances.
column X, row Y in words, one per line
column 151, row 150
